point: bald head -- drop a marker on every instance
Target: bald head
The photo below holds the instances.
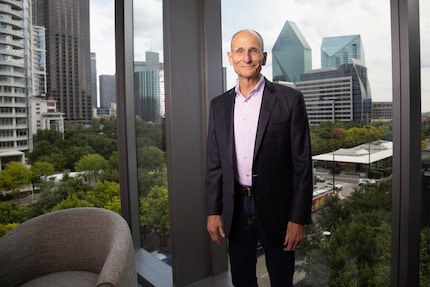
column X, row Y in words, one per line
column 250, row 32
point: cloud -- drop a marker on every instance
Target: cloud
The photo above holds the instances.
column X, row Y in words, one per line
column 148, row 28
column 102, row 31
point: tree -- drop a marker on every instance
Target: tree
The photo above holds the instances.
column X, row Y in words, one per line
column 14, row 175
column 11, row 215
column 5, row 228
column 57, row 159
column 357, row 252
column 425, row 257
column 72, row 201
column 93, row 164
column 151, row 158
column 105, row 194
column 154, row 213
column 53, row 195
column 74, row 153
column 39, row 171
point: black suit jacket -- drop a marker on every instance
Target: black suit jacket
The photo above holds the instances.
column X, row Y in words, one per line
column 282, row 166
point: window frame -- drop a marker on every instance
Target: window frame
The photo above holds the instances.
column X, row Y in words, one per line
column 198, row 26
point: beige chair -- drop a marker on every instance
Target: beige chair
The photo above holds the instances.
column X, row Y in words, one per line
column 71, row 247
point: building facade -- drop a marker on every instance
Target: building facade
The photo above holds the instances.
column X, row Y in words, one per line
column 94, row 103
column 14, row 74
column 339, row 50
column 147, row 88
column 382, row 111
column 44, row 115
column 38, row 61
column 107, row 85
column 68, row 55
column 291, row 54
column 341, row 94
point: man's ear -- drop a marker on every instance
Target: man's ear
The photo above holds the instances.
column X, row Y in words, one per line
column 229, row 56
column 264, row 58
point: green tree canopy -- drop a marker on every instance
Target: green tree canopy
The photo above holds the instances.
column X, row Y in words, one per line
column 105, row 194
column 154, row 210
column 72, row 201
column 14, row 175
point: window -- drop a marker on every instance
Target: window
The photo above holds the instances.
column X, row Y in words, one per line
column 150, row 129
column 319, row 265
column 424, row 271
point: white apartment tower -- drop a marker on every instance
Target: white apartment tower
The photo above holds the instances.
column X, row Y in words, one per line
column 22, row 77
column 14, row 76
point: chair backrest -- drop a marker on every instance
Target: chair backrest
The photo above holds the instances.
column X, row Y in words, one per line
column 84, row 239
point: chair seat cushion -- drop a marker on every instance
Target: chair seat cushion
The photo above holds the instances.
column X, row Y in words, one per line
column 64, row 279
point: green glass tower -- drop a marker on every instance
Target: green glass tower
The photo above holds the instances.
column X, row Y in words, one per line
column 291, row 54
column 336, row 51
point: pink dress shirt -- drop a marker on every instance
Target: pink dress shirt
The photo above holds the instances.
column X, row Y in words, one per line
column 246, row 114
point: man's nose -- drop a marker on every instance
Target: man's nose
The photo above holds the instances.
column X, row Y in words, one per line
column 247, row 56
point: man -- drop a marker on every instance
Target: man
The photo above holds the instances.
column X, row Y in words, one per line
column 258, row 169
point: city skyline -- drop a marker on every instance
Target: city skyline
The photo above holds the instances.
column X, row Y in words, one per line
column 315, row 19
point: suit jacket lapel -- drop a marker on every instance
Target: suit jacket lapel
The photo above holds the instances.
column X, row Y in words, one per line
column 229, row 125
column 269, row 99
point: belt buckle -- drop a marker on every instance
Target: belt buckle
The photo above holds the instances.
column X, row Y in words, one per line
column 247, row 191
column 250, row 220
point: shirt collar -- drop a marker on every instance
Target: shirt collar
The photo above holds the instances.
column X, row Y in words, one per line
column 257, row 90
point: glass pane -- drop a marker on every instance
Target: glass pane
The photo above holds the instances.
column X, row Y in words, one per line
column 425, row 136
column 59, row 154
column 341, row 61
column 150, row 131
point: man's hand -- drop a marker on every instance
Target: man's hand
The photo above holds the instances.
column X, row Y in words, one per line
column 215, row 228
column 294, row 236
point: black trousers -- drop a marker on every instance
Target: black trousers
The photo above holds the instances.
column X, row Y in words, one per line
column 243, row 239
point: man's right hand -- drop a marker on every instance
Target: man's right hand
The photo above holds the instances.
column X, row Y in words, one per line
column 215, row 228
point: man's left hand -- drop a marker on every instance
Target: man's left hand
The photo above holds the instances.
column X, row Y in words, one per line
column 294, row 236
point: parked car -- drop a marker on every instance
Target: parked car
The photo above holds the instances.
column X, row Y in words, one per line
column 336, row 186
column 364, row 181
column 318, row 178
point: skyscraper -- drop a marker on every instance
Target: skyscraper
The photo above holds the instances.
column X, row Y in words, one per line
column 291, row 54
column 15, row 70
column 107, row 90
column 38, row 62
column 147, row 87
column 68, row 55
column 341, row 94
column 339, row 50
column 93, row 80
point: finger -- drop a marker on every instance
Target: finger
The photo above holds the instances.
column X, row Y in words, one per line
column 221, row 231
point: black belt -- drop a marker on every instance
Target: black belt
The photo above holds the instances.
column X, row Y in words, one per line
column 244, row 190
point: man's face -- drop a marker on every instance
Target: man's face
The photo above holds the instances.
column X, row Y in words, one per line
column 246, row 56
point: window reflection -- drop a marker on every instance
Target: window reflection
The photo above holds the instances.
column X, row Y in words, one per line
column 150, row 131
column 349, row 242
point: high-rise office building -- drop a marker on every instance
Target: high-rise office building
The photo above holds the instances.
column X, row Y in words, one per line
column 339, row 50
column 147, row 87
column 68, row 55
column 291, row 54
column 93, row 80
column 38, row 62
column 341, row 94
column 107, row 90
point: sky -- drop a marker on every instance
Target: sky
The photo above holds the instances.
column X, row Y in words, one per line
column 315, row 19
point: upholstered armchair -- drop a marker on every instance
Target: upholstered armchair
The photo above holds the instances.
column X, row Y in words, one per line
column 71, row 247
